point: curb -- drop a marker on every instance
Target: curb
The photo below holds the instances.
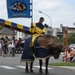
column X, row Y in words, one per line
column 71, row 68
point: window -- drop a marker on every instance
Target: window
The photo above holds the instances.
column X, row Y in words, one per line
column 48, row 32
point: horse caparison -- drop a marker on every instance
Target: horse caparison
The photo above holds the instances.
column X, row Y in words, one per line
column 54, row 47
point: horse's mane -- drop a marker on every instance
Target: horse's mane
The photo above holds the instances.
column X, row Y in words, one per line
column 50, row 41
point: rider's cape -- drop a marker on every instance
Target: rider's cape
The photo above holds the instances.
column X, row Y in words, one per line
column 26, row 55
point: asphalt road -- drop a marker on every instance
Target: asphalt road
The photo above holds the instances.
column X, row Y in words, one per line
column 12, row 66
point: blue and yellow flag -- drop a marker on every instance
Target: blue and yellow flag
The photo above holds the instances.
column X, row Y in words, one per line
column 19, row 8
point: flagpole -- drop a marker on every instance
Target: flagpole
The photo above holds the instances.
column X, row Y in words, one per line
column 31, row 25
column 32, row 12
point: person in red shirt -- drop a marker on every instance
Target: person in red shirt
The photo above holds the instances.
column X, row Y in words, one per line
column 71, row 55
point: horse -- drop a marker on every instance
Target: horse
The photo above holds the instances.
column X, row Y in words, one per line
column 44, row 47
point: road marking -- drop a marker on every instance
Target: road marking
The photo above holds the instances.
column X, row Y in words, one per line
column 7, row 67
column 22, row 67
column 33, row 67
column 42, row 67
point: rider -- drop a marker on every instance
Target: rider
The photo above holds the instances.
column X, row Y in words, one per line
column 37, row 29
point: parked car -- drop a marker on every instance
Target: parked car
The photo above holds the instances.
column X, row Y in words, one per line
column 72, row 45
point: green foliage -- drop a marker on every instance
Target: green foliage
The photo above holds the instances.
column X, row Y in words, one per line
column 71, row 39
column 1, row 27
column 63, row 40
column 62, row 64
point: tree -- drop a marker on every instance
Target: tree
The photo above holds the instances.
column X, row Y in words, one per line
column 71, row 39
column 1, row 27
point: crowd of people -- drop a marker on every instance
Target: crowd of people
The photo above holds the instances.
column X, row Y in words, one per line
column 69, row 55
column 9, row 46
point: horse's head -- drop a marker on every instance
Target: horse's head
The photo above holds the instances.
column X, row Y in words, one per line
column 56, row 52
column 57, row 47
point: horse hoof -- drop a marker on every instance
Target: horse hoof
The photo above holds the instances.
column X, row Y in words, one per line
column 47, row 73
column 31, row 70
column 26, row 70
column 41, row 73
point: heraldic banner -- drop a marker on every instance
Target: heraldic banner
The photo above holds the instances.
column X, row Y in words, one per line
column 19, row 8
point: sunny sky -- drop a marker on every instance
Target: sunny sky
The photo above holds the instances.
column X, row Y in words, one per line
column 59, row 11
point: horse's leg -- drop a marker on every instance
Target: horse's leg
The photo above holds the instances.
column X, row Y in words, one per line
column 26, row 69
column 31, row 66
column 46, row 70
column 40, row 70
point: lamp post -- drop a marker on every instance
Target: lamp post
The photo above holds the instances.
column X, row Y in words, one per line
column 47, row 16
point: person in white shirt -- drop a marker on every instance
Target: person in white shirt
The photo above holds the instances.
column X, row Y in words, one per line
column 9, row 48
column 64, row 56
column 0, row 48
column 13, row 48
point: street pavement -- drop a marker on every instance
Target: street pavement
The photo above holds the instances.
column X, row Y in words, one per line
column 67, row 67
column 17, row 58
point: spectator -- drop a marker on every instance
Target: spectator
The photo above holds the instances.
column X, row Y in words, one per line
column 71, row 55
column 64, row 56
column 3, row 49
column 74, row 49
column 9, row 48
column 13, row 48
column 0, row 48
